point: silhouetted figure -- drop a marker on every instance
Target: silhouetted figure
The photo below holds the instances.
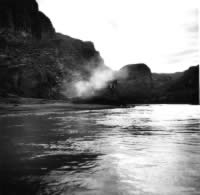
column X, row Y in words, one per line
column 116, row 99
column 112, row 86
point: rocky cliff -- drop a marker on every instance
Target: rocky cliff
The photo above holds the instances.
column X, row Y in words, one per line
column 35, row 61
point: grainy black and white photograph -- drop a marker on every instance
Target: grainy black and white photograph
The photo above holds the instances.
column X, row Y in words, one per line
column 99, row 97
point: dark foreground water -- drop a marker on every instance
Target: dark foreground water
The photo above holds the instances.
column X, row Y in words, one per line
column 145, row 150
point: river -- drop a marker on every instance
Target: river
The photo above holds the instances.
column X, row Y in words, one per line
column 142, row 150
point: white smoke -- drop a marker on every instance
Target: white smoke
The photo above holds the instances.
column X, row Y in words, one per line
column 98, row 80
column 85, row 88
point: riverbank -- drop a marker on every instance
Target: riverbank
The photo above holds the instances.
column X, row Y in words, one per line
column 19, row 103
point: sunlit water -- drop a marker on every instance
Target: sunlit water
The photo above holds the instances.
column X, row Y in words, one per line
column 144, row 150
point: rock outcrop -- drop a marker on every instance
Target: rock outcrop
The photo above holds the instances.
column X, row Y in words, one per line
column 134, row 83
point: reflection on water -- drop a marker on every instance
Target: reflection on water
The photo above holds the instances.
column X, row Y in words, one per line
column 142, row 150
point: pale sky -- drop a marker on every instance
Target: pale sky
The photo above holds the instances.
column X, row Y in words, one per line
column 161, row 33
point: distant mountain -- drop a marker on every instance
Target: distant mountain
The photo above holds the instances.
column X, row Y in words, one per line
column 142, row 86
column 185, row 89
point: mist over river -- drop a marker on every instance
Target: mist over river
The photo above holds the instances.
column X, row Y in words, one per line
column 142, row 150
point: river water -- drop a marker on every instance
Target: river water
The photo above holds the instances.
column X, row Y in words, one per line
column 142, row 150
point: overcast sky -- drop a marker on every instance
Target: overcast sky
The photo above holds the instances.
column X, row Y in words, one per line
column 161, row 33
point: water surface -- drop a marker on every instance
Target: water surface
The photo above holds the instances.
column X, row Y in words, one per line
column 144, row 150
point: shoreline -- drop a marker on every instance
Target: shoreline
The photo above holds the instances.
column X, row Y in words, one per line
column 19, row 104
column 34, row 104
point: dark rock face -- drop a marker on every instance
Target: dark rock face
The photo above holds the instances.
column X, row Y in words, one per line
column 185, row 89
column 134, row 71
column 38, row 69
column 134, row 83
column 34, row 60
column 23, row 17
column 180, row 87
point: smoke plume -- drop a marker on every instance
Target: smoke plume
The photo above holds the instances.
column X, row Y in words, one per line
column 88, row 87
